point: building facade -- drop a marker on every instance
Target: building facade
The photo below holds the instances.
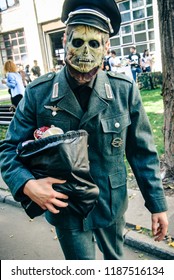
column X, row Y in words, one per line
column 35, row 31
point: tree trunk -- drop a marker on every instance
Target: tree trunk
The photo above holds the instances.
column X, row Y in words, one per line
column 166, row 20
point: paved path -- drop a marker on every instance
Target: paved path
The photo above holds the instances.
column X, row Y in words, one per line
column 135, row 215
column 25, row 239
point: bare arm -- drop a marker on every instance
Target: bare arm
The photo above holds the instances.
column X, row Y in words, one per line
column 3, row 81
column 41, row 192
column 159, row 225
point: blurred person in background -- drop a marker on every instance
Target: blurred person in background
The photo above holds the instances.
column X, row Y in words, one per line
column 35, row 71
column 146, row 61
column 22, row 73
column 114, row 62
column 27, row 73
column 106, row 66
column 135, row 62
column 13, row 82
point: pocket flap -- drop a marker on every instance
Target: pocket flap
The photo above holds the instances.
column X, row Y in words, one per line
column 118, row 179
column 116, row 124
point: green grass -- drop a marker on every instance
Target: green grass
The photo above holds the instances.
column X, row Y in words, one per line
column 3, row 92
column 3, row 129
column 153, row 103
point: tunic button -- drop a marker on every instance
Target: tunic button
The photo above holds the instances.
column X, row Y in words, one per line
column 117, row 125
column 49, row 75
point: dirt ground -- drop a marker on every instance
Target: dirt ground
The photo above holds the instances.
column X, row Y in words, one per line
column 168, row 191
column 168, row 183
column 168, row 188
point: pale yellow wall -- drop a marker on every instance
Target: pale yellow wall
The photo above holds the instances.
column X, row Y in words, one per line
column 32, row 32
column 48, row 9
column 11, row 19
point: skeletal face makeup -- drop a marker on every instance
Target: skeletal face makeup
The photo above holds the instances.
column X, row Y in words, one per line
column 85, row 49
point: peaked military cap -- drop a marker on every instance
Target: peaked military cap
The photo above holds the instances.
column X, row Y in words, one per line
column 101, row 14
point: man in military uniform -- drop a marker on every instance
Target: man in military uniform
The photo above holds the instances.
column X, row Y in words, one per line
column 108, row 106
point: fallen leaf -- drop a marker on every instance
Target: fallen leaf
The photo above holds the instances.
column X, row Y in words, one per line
column 171, row 244
column 132, row 196
column 137, row 227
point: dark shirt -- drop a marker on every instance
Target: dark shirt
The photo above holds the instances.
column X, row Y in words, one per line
column 36, row 71
column 82, row 92
column 135, row 60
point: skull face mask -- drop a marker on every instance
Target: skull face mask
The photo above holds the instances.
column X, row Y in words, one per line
column 85, row 49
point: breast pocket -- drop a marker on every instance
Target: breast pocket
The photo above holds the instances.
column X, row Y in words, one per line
column 114, row 133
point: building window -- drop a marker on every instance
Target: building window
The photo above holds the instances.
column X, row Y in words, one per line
column 127, row 39
column 149, row 11
column 6, row 4
column 115, row 41
column 137, row 3
column 140, row 37
column 151, row 35
column 137, row 27
column 152, row 47
column 148, row 2
column 150, row 24
column 13, row 46
column 126, row 29
column 138, row 14
column 126, row 51
column 124, row 6
column 141, row 48
column 118, row 52
column 126, row 17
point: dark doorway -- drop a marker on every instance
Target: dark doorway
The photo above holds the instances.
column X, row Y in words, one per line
column 57, row 48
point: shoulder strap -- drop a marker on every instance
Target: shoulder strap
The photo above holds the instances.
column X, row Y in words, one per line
column 42, row 79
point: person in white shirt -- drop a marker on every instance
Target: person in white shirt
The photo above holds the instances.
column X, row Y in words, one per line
column 114, row 62
column 117, row 66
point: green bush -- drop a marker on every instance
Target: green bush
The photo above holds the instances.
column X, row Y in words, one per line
column 150, row 80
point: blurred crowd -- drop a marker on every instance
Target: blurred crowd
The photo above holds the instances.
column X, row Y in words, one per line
column 132, row 65
column 17, row 77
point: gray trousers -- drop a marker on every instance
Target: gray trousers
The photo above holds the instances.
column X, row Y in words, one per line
column 80, row 245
